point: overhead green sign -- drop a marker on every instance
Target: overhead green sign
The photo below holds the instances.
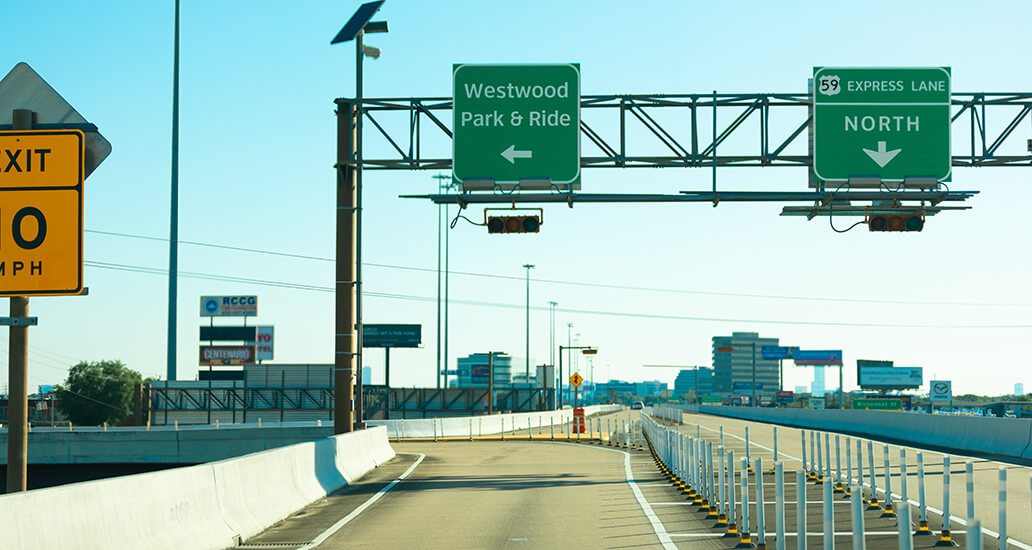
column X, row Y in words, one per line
column 516, row 123
column 877, row 404
column 712, row 399
column 887, row 123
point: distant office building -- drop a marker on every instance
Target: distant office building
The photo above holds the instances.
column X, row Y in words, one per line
column 800, row 389
column 520, row 380
column 1019, row 389
column 649, row 388
column 734, row 358
column 817, row 387
column 614, row 388
column 473, row 370
column 686, row 382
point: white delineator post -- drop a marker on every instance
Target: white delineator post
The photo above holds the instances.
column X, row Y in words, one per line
column 779, row 506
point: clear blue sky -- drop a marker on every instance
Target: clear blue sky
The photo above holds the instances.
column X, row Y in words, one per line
column 257, row 150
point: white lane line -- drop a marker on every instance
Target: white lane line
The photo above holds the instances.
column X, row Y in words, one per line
column 657, row 525
column 354, row 513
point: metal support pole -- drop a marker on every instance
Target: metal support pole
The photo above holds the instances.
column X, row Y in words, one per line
column 173, row 233
column 344, row 289
column 18, row 366
column 359, row 53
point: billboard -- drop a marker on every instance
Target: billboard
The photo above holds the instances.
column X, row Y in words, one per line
column 229, row 306
column 226, row 355
column 816, row 403
column 889, row 377
column 940, row 391
column 263, row 343
column 776, row 352
column 784, row 397
column 234, row 333
column 817, row 357
column 391, row 336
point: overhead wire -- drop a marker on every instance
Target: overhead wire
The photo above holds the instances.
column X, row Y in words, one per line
column 550, row 281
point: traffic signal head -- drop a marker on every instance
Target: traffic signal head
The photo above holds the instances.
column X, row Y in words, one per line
column 902, row 221
column 513, row 224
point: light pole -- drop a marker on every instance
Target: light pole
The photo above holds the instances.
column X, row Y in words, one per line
column 348, row 288
column 526, row 380
column 569, row 344
column 441, row 373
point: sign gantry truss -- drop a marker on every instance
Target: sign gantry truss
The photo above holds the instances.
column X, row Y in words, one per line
column 988, row 123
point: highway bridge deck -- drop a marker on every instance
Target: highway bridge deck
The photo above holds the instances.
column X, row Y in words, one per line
column 542, row 494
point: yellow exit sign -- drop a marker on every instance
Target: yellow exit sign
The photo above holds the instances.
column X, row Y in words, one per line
column 41, row 221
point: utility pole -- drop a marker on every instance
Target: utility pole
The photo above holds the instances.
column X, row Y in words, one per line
column 528, row 267
column 173, row 237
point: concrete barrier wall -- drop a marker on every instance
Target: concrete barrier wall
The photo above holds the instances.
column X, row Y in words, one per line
column 209, row 506
column 483, row 425
column 1003, row 437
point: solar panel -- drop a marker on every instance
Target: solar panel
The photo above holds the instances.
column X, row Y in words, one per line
column 354, row 25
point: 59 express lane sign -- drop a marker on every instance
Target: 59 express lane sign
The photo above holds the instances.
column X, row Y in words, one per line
column 41, row 184
column 516, row 122
column 887, row 123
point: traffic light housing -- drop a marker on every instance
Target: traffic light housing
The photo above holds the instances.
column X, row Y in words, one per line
column 904, row 220
column 518, row 223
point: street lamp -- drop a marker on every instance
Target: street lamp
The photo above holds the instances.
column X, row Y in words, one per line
column 445, row 187
column 348, row 289
column 528, row 267
column 585, row 350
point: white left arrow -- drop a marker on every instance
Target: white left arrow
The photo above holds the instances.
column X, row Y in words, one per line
column 511, row 154
column 882, row 157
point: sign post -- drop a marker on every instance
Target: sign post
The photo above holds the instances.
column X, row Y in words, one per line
column 889, row 123
column 940, row 391
column 516, row 125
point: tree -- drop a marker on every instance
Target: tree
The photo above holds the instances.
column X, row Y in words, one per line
column 97, row 392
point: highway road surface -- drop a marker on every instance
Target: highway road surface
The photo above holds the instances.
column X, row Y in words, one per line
column 545, row 494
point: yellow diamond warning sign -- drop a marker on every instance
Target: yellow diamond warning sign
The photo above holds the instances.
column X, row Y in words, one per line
column 576, row 379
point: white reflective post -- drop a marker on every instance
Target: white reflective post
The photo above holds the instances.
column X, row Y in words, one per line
column 873, row 474
column 974, row 534
column 859, row 537
column 903, row 496
column 775, row 446
column 849, row 468
column 720, row 484
column 747, row 456
column 969, row 472
column 888, row 482
column 906, row 541
column 946, row 497
column 745, row 501
column 829, row 518
column 761, row 529
column 838, row 466
column 820, row 460
column 802, row 436
column 732, row 516
column 801, row 509
column 779, row 506
column 1002, row 510
column 923, row 519
column 827, row 457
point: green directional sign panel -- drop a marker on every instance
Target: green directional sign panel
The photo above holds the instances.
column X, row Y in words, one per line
column 516, row 122
column 877, row 404
column 888, row 123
